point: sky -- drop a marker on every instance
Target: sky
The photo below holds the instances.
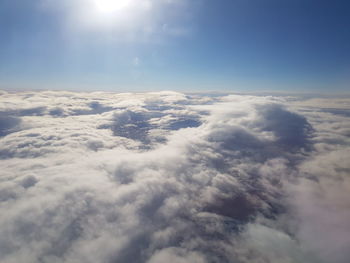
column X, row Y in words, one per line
column 198, row 45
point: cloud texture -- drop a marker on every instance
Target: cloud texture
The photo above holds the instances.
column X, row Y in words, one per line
column 171, row 177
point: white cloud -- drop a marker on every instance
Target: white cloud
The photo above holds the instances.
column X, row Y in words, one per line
column 154, row 177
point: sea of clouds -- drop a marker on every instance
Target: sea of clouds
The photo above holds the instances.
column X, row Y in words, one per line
column 172, row 177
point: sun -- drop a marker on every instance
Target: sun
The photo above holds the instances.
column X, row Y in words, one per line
column 112, row 15
column 109, row 6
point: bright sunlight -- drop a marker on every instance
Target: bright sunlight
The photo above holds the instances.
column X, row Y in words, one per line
column 109, row 6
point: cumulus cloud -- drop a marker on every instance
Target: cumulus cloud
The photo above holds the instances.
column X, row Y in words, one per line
column 155, row 177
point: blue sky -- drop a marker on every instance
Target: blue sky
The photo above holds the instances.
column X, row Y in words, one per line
column 198, row 45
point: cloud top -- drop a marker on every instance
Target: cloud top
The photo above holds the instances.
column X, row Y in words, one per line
column 154, row 177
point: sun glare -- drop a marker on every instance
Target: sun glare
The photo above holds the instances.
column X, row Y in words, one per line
column 109, row 6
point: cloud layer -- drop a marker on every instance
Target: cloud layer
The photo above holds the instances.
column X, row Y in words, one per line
column 171, row 177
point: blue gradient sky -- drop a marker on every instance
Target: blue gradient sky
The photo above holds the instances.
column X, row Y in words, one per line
column 198, row 45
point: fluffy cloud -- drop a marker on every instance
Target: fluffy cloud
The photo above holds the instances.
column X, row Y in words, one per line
column 154, row 177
